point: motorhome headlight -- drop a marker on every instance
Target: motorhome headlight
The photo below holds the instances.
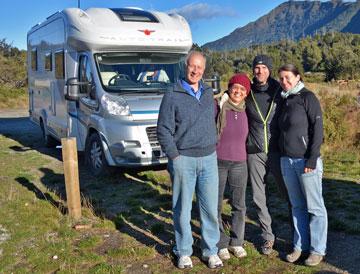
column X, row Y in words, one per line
column 115, row 105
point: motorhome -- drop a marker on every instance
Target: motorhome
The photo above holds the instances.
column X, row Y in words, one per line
column 99, row 75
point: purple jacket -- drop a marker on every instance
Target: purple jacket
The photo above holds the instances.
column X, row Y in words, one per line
column 232, row 143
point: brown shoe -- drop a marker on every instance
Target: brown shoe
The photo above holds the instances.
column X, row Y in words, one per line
column 293, row 256
column 267, row 247
column 313, row 259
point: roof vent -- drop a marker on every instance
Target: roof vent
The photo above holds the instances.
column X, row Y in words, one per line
column 135, row 15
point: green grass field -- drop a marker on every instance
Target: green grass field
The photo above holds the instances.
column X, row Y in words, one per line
column 128, row 218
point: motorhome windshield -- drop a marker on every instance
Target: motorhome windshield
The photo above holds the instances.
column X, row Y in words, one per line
column 139, row 71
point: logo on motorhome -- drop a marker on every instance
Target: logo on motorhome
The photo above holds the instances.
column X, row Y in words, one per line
column 146, row 31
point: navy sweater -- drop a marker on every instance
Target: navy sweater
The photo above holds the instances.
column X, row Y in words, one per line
column 185, row 125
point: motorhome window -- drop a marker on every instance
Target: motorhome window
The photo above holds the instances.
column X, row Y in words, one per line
column 133, row 15
column 59, row 65
column 85, row 74
column 34, row 65
column 139, row 71
column 48, row 61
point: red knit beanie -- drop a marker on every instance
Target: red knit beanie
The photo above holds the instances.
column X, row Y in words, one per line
column 242, row 79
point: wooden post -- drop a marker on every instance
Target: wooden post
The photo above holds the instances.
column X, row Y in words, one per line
column 71, row 173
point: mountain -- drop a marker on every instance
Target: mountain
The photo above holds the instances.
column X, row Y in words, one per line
column 293, row 20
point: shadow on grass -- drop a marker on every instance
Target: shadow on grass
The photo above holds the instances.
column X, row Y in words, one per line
column 342, row 200
column 41, row 195
column 110, row 197
column 136, row 207
column 29, row 135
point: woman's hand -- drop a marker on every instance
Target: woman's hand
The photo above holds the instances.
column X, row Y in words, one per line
column 307, row 169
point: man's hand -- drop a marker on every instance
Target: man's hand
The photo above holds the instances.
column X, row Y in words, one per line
column 307, row 170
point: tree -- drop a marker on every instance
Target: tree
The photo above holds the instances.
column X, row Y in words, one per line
column 311, row 57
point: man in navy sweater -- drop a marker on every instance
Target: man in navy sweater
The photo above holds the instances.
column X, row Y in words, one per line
column 187, row 134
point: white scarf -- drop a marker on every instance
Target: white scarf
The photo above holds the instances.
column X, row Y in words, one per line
column 299, row 86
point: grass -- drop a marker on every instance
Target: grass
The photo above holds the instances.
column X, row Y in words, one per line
column 38, row 237
column 342, row 165
column 35, row 235
column 13, row 97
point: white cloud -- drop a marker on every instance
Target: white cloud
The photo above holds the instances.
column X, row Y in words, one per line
column 196, row 11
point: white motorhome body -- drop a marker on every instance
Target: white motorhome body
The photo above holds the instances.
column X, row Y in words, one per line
column 118, row 63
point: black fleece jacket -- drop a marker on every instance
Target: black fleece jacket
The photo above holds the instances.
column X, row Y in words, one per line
column 263, row 136
column 301, row 127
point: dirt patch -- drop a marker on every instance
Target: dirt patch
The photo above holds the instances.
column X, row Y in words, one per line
column 111, row 240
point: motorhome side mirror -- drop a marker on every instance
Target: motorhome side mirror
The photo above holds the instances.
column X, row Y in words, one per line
column 215, row 83
column 73, row 89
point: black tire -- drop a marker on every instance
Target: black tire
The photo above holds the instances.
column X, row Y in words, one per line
column 95, row 157
column 48, row 140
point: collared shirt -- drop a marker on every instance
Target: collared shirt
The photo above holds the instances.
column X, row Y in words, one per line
column 191, row 91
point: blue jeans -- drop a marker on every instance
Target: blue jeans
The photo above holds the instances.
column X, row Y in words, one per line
column 198, row 175
column 308, row 207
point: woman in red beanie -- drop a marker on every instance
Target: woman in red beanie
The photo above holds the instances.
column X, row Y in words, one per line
column 232, row 126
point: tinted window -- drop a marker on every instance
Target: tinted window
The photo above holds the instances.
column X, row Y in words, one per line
column 34, row 59
column 48, row 61
column 85, row 75
column 59, row 65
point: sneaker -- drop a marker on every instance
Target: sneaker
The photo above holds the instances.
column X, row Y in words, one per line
column 213, row 261
column 313, row 259
column 293, row 256
column 224, row 254
column 238, row 251
column 184, row 262
column 267, row 247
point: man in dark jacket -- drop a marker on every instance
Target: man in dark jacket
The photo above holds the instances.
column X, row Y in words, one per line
column 262, row 108
column 187, row 134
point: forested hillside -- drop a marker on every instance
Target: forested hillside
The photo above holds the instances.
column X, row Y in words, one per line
column 332, row 56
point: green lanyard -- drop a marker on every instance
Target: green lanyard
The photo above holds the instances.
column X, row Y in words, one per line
column 266, row 145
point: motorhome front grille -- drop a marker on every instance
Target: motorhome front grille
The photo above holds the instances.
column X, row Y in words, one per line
column 151, row 133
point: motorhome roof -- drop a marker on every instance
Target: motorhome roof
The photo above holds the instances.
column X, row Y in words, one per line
column 100, row 29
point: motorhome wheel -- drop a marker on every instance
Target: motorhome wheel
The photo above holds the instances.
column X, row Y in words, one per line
column 95, row 156
column 48, row 140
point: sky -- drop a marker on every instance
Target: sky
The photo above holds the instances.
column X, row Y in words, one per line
column 209, row 20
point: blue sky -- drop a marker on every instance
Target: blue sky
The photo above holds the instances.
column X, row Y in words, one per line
column 209, row 20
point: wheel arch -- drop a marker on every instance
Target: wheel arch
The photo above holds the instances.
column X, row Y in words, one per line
column 105, row 146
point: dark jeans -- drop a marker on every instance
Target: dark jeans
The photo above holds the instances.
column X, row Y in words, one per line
column 235, row 174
